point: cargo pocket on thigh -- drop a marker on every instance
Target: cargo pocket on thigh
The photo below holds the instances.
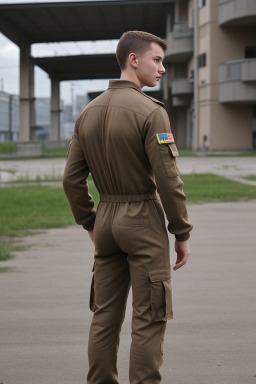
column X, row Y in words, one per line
column 161, row 294
column 92, row 293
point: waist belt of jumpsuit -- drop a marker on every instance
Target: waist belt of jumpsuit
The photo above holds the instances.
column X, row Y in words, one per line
column 127, row 198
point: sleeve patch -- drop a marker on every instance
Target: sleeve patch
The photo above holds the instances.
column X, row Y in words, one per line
column 164, row 138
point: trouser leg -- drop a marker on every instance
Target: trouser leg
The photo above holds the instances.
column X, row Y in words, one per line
column 146, row 354
column 111, row 284
column 141, row 234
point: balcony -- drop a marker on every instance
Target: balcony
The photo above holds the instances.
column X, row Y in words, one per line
column 237, row 12
column 182, row 90
column 180, row 43
column 237, row 81
column 182, row 87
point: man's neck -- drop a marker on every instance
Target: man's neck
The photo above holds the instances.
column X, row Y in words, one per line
column 130, row 77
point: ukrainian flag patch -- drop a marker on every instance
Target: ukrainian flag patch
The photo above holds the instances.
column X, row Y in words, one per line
column 165, row 138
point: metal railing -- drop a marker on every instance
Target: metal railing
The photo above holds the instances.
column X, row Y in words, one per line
column 236, row 70
column 181, row 30
column 182, row 86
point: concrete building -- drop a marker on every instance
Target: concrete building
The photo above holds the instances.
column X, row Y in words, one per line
column 209, row 88
column 9, row 112
column 9, row 121
column 210, row 84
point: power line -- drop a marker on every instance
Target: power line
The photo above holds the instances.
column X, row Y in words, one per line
column 9, row 66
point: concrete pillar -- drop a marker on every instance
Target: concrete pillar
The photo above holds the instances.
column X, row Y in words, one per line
column 55, row 110
column 27, row 111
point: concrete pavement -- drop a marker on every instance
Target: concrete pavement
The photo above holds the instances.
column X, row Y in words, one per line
column 231, row 167
column 211, row 340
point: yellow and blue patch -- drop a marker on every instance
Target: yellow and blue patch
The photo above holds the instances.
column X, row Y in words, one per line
column 164, row 138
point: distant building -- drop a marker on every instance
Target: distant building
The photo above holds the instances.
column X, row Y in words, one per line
column 210, row 81
column 42, row 128
column 9, row 117
column 81, row 102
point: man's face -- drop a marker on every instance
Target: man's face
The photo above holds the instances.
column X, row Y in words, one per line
column 150, row 66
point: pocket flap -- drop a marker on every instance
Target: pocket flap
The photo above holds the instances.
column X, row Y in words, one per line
column 173, row 149
column 160, row 275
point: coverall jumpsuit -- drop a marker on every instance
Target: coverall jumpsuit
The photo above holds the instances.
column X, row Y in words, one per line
column 117, row 138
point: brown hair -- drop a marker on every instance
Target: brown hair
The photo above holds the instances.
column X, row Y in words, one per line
column 137, row 42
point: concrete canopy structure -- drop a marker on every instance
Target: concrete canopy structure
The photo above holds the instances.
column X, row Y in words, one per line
column 27, row 24
column 80, row 21
column 98, row 66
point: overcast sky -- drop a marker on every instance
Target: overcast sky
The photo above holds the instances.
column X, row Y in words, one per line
column 9, row 63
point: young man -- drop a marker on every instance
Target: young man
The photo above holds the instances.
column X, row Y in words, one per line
column 123, row 138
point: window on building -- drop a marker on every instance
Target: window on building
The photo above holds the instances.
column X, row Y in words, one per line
column 201, row 3
column 202, row 60
column 250, row 52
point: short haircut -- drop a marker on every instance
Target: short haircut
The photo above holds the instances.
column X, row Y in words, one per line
column 137, row 42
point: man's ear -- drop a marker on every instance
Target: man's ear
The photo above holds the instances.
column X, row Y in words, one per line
column 133, row 60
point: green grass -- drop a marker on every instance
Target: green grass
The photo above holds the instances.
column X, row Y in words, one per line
column 26, row 208
column 187, row 153
column 212, row 188
column 38, row 179
column 5, row 251
column 250, row 177
column 183, row 152
column 7, row 248
column 55, row 151
column 5, row 269
column 8, row 170
column 7, row 147
column 35, row 207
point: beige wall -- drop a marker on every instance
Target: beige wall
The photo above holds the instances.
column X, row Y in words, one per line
column 191, row 14
column 178, row 118
column 231, row 127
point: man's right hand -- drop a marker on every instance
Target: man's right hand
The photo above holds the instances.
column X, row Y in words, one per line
column 183, row 251
column 91, row 235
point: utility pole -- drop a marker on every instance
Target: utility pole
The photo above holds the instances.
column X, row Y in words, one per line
column 72, row 99
column 10, row 116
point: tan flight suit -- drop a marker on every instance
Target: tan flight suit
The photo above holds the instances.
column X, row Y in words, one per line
column 115, row 140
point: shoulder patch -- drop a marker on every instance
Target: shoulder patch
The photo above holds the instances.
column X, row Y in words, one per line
column 164, row 138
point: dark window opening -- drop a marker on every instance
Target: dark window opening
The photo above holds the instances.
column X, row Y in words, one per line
column 254, row 139
column 202, row 60
column 201, row 3
column 250, row 52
